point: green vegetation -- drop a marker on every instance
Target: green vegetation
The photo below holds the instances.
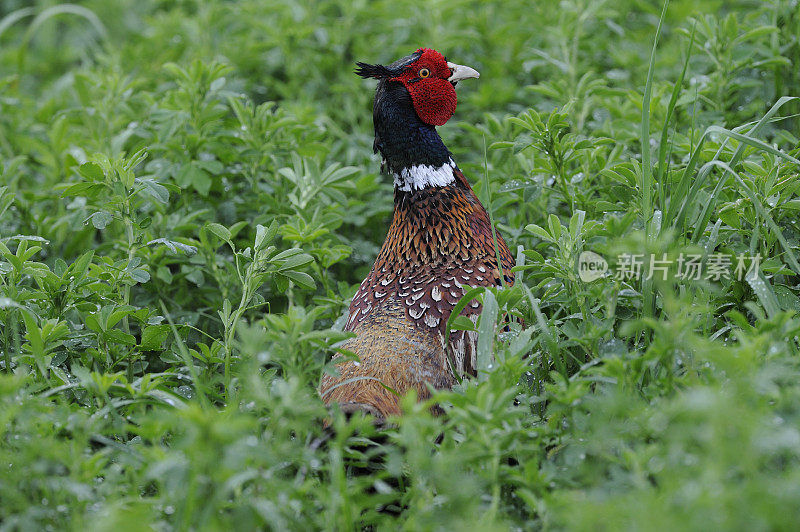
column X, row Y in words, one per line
column 188, row 199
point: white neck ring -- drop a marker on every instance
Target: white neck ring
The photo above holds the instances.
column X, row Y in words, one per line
column 423, row 176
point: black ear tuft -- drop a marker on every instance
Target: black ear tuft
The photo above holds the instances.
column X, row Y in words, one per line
column 366, row 70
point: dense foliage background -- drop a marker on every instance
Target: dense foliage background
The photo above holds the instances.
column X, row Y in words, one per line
column 189, row 199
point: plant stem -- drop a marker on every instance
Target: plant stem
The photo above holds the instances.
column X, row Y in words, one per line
column 126, row 292
column 491, row 215
column 230, row 332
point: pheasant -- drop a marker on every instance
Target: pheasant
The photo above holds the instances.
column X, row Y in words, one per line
column 439, row 245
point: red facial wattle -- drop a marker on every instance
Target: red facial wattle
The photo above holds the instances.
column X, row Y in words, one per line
column 434, row 100
column 434, row 97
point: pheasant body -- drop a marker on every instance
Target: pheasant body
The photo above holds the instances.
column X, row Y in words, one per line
column 439, row 245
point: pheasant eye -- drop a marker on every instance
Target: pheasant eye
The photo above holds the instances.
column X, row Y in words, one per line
column 424, row 73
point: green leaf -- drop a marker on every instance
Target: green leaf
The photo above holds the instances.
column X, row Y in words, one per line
column 261, row 237
column 7, row 302
column 462, row 323
column 174, row 246
column 92, row 323
column 468, row 296
column 156, row 190
column 219, row 230
column 119, row 337
column 763, row 291
column 500, row 145
column 194, row 176
column 139, row 275
column 89, row 190
column 296, row 261
column 301, row 279
column 33, row 334
column 486, row 331
column 787, row 299
column 101, row 219
column 213, row 167
column 540, row 232
column 117, row 314
column 92, row 171
column 281, row 282
column 555, row 226
column 153, row 337
column 78, row 268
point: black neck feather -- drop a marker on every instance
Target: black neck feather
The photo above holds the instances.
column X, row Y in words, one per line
column 400, row 136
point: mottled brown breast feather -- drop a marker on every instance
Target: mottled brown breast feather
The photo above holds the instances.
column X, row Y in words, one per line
column 439, row 245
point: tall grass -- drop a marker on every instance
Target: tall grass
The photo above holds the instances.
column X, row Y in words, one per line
column 189, row 200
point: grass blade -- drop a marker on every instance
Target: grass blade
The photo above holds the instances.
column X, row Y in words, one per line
column 663, row 144
column 647, row 169
column 10, row 19
column 187, row 358
column 763, row 213
column 486, row 333
column 766, row 295
column 677, row 214
column 644, row 133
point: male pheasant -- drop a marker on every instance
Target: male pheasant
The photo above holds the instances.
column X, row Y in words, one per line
column 439, row 245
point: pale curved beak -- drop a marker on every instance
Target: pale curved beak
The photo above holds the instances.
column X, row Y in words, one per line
column 461, row 72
